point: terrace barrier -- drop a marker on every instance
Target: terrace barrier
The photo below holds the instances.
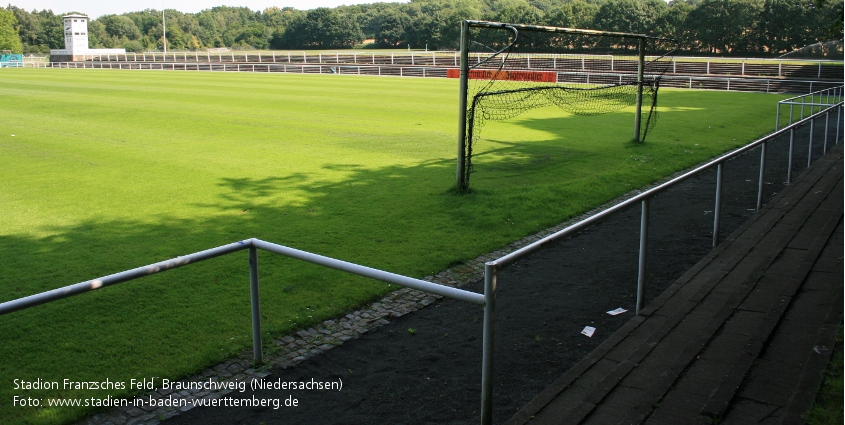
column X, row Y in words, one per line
column 252, row 245
column 759, row 84
column 491, row 269
column 778, row 67
column 818, row 100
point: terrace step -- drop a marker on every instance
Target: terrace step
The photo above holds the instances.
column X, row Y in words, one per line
column 715, row 342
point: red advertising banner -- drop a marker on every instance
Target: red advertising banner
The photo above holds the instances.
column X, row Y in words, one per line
column 492, row 74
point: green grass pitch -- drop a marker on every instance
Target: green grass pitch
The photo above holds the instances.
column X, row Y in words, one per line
column 103, row 171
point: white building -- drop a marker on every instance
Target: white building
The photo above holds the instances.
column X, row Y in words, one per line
column 76, row 41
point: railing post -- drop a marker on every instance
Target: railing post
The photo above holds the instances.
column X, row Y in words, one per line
column 777, row 117
column 762, row 175
column 490, row 270
column 717, row 209
column 803, row 101
column 643, row 255
column 256, row 306
column 826, row 130
column 789, row 163
column 810, row 148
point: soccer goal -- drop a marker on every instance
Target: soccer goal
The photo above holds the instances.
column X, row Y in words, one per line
column 508, row 69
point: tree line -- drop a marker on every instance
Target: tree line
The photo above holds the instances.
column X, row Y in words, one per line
column 714, row 27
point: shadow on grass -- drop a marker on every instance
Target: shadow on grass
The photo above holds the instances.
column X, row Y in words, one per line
column 402, row 219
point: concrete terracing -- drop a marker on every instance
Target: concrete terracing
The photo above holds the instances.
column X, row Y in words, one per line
column 743, row 337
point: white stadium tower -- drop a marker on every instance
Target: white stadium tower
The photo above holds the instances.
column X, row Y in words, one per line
column 76, row 41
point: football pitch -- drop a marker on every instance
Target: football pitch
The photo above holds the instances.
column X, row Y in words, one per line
column 104, row 171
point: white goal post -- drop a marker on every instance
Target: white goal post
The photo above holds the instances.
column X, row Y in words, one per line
column 499, row 62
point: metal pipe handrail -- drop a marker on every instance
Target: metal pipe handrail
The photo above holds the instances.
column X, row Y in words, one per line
column 834, row 92
column 492, row 268
column 515, row 256
column 805, row 104
column 808, row 94
column 139, row 272
column 112, row 279
column 252, row 245
column 396, row 279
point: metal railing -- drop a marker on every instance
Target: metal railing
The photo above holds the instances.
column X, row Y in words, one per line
column 818, row 99
column 491, row 269
column 252, row 245
column 767, row 85
column 807, row 68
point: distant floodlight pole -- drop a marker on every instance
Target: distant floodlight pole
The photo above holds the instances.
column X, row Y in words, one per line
column 163, row 32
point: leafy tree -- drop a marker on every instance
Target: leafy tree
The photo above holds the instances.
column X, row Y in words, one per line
column 132, row 45
column 572, row 14
column 725, row 26
column 254, row 36
column 176, row 38
column 119, row 26
column 832, row 18
column 391, row 27
column 448, row 18
column 9, row 37
column 28, row 26
column 423, row 29
column 633, row 16
column 767, row 27
column 51, row 33
column 194, row 43
column 788, row 25
column 96, row 34
column 517, row 11
column 672, row 24
column 543, row 5
column 322, row 28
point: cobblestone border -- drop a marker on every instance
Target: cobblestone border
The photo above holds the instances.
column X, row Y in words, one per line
column 292, row 349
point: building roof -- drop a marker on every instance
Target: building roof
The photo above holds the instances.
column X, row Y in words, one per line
column 75, row 15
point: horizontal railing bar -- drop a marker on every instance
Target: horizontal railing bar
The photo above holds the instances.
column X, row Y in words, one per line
column 101, row 282
column 422, row 285
column 810, row 94
column 806, row 104
column 277, row 66
column 515, row 256
column 94, row 284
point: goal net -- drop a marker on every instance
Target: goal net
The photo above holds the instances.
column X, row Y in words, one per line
column 508, row 69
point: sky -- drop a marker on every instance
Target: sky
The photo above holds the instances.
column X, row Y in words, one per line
column 97, row 8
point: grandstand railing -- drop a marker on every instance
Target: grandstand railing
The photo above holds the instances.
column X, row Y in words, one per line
column 777, row 67
column 767, row 85
column 817, row 100
column 492, row 268
column 252, row 245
